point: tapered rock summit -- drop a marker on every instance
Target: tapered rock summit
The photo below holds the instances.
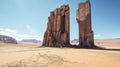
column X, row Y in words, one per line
column 83, row 16
column 57, row 33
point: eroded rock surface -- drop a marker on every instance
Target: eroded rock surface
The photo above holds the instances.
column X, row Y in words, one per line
column 57, row 33
column 83, row 16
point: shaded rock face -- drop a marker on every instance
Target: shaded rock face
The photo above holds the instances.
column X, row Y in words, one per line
column 83, row 17
column 57, row 33
column 7, row 39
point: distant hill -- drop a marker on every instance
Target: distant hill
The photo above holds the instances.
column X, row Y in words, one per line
column 7, row 39
column 100, row 41
column 75, row 41
column 30, row 41
column 108, row 41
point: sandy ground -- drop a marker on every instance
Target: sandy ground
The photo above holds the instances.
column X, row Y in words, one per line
column 35, row 56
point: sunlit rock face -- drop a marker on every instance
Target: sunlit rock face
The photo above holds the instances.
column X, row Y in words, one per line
column 83, row 16
column 57, row 33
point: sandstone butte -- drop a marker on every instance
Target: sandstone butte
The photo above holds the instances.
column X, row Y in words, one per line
column 58, row 28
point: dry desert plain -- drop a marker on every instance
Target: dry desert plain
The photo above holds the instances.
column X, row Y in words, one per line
column 26, row 55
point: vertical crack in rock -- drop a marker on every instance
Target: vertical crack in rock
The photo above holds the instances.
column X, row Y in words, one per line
column 58, row 28
column 83, row 16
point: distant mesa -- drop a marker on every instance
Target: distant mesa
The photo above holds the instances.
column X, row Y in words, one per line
column 75, row 41
column 30, row 41
column 7, row 39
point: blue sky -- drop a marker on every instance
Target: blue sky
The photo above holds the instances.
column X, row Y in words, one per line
column 24, row 19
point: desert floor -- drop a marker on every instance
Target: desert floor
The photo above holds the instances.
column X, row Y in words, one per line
column 35, row 56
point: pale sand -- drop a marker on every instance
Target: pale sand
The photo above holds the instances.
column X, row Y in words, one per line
column 33, row 56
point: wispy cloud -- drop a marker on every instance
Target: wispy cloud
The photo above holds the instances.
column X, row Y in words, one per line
column 97, row 35
column 17, row 35
column 28, row 26
column 31, row 29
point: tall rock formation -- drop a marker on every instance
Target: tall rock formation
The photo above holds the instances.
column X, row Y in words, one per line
column 58, row 31
column 83, row 16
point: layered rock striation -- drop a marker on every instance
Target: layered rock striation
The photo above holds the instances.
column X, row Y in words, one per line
column 83, row 16
column 58, row 28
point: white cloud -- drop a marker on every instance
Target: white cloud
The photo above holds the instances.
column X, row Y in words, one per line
column 10, row 30
column 17, row 35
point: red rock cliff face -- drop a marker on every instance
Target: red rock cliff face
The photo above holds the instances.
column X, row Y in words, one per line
column 58, row 31
column 83, row 17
